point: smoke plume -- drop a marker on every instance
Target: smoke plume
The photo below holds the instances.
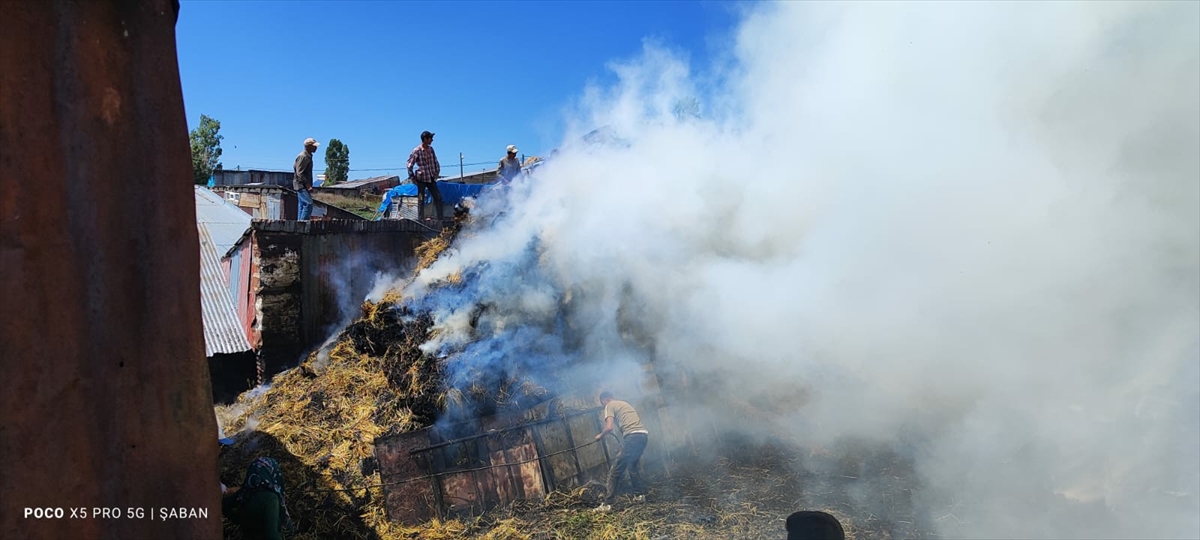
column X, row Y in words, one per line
column 972, row 225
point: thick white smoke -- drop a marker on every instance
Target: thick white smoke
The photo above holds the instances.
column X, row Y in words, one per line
column 978, row 222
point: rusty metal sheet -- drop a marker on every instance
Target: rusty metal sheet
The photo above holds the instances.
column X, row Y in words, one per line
column 460, row 493
column 556, row 444
column 406, row 501
column 583, row 429
column 106, row 390
column 523, row 480
column 494, row 461
column 488, row 484
column 517, row 474
column 501, row 478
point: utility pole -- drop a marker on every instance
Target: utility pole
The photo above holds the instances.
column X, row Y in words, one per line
column 460, row 167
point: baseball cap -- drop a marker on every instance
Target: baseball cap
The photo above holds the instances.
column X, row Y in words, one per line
column 426, row 134
column 512, row 149
column 311, row 141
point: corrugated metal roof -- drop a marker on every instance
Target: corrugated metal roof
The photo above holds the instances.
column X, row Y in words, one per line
column 223, row 332
column 225, row 221
column 232, row 178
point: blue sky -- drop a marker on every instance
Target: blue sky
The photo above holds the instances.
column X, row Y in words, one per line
column 374, row 74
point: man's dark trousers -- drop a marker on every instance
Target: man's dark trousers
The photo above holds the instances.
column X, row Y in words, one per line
column 629, row 459
column 432, row 188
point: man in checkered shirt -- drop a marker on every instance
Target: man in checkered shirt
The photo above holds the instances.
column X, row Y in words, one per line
column 426, row 175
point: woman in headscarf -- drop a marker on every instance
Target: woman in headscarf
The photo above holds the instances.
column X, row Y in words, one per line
column 258, row 507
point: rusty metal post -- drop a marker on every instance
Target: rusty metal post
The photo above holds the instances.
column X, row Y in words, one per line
column 105, row 399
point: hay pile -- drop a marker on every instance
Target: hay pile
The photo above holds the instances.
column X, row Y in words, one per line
column 429, row 251
column 320, row 420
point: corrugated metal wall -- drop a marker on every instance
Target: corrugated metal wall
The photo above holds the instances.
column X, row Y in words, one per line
column 106, row 396
column 243, row 283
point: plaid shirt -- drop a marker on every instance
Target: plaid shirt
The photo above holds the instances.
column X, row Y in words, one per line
column 427, row 164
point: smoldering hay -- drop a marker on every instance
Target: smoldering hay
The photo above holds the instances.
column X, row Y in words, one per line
column 971, row 226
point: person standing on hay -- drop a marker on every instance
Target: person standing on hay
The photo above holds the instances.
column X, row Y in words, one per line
column 425, row 175
column 634, row 437
column 510, row 167
column 259, row 507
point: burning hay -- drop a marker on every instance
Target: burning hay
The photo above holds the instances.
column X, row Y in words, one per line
column 320, row 420
column 430, row 250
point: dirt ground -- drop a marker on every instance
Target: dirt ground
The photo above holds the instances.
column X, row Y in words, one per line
column 747, row 491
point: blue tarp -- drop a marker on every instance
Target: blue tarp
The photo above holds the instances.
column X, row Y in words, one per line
column 452, row 192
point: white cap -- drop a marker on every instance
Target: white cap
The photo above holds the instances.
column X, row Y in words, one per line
column 512, row 149
column 311, row 141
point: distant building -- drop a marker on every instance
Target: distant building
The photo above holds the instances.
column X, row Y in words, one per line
column 481, row 177
column 375, row 185
column 273, row 203
column 241, row 178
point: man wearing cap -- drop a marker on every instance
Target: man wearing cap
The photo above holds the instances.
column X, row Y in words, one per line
column 426, row 174
column 510, row 166
column 302, row 181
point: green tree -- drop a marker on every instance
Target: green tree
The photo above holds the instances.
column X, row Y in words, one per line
column 206, row 149
column 337, row 162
